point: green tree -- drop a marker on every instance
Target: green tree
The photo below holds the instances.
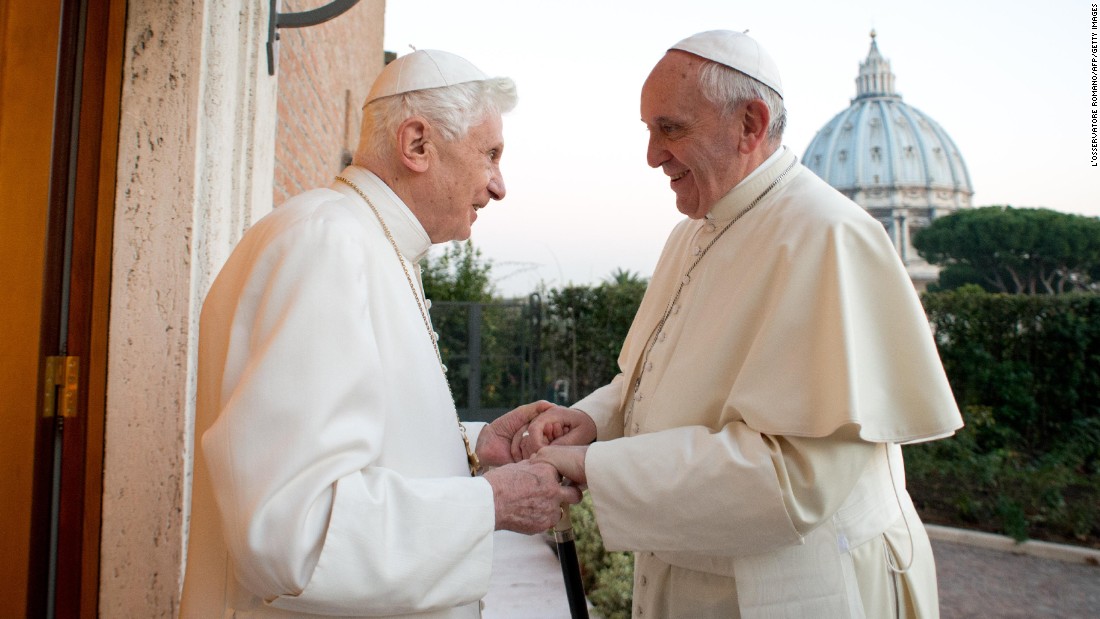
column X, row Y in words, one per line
column 464, row 303
column 458, row 274
column 624, row 277
column 584, row 328
column 1014, row 250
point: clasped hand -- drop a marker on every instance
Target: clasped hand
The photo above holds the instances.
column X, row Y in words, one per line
column 530, row 448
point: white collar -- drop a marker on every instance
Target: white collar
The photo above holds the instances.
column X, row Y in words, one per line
column 411, row 238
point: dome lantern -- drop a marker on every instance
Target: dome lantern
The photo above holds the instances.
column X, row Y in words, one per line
column 875, row 77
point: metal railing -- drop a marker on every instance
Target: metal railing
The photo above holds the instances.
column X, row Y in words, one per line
column 492, row 354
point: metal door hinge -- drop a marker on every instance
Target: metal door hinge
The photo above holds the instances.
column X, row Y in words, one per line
column 62, row 384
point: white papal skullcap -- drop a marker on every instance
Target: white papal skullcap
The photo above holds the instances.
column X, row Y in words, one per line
column 737, row 51
column 422, row 69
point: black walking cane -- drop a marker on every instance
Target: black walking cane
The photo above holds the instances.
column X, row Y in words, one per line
column 570, row 565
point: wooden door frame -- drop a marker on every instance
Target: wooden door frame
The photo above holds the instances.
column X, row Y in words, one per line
column 29, row 41
column 82, row 179
column 102, row 176
column 52, row 336
column 90, row 281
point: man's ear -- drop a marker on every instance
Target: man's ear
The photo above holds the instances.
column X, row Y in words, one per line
column 414, row 145
column 755, row 119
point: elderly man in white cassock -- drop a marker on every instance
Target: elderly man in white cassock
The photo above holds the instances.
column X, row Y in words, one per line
column 335, row 478
column 748, row 453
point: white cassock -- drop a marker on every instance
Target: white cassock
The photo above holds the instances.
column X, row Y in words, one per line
column 761, row 474
column 332, row 479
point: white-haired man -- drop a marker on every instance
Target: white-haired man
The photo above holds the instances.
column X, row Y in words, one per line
column 335, row 478
column 748, row 452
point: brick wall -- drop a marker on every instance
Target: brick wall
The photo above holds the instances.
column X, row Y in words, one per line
column 324, row 74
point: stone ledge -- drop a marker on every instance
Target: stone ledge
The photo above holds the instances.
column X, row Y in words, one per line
column 1044, row 550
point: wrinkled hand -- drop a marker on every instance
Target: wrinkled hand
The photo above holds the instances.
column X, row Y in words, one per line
column 567, row 460
column 528, row 496
column 494, row 444
column 555, row 425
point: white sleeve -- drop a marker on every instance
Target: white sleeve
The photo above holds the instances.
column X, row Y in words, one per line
column 602, row 405
column 727, row 493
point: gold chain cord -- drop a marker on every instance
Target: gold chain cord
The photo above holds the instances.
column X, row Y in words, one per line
column 471, row 456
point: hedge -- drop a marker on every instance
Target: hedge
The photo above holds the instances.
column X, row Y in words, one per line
column 1025, row 370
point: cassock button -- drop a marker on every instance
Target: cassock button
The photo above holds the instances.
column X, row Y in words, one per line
column 686, row 279
column 643, row 581
column 675, row 309
column 698, row 250
column 435, row 335
column 711, row 227
column 663, row 336
column 635, row 428
column 444, row 368
column 427, row 303
column 648, row 366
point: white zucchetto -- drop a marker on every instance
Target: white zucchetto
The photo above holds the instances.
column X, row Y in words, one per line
column 423, row 69
column 735, row 50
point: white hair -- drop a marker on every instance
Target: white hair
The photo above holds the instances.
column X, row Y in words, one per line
column 729, row 88
column 451, row 110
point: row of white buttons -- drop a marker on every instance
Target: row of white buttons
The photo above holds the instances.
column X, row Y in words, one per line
column 710, row 227
column 661, row 336
column 695, row 251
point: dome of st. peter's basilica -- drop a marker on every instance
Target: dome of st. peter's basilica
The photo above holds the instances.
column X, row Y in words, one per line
column 893, row 160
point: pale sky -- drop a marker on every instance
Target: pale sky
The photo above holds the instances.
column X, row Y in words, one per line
column 1010, row 82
